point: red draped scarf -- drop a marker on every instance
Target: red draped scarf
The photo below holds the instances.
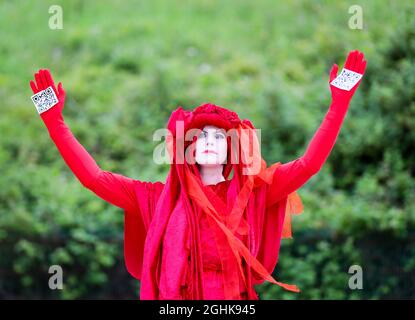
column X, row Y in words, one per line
column 237, row 238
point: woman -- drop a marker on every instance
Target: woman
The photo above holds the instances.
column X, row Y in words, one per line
column 202, row 234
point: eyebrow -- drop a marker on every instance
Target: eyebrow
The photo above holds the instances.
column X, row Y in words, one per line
column 221, row 131
column 216, row 131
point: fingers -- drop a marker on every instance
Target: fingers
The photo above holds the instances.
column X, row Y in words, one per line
column 33, row 86
column 361, row 63
column 358, row 62
column 363, row 67
column 44, row 79
column 349, row 60
column 355, row 61
column 39, row 82
column 60, row 89
column 333, row 72
column 49, row 79
column 360, row 57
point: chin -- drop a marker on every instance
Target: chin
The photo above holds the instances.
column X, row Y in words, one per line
column 209, row 162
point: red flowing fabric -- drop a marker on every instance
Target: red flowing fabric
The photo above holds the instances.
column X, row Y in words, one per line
column 272, row 196
column 268, row 225
column 238, row 248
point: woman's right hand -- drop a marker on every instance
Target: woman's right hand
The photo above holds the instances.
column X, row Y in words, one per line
column 355, row 62
column 43, row 80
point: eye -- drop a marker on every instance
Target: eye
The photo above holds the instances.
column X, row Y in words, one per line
column 219, row 136
column 202, row 134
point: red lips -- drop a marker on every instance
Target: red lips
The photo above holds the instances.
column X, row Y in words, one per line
column 210, row 151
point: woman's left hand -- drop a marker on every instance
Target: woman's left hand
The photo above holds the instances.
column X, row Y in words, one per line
column 355, row 62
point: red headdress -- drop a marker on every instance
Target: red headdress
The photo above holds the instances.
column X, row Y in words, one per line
column 239, row 226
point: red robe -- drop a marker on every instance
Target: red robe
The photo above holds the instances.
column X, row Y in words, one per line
column 139, row 200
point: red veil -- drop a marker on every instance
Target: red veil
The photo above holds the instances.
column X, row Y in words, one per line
column 247, row 229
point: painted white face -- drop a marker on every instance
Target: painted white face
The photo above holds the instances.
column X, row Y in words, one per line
column 211, row 146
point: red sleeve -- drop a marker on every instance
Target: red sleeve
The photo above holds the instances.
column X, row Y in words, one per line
column 292, row 175
column 113, row 188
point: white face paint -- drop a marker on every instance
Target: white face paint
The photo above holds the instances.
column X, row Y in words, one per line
column 211, row 146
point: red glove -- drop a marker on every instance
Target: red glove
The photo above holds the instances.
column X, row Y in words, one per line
column 112, row 187
column 292, row 175
column 355, row 62
column 44, row 80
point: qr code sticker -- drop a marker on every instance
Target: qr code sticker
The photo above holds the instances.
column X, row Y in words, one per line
column 45, row 99
column 347, row 79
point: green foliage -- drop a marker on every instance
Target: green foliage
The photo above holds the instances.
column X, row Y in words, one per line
column 126, row 66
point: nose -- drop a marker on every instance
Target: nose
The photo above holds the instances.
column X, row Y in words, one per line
column 210, row 140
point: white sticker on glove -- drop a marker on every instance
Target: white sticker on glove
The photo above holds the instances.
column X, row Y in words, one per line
column 347, row 79
column 45, row 99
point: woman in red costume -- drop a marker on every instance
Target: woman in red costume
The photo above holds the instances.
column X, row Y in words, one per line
column 203, row 234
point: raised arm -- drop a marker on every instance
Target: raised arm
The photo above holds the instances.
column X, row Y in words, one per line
column 113, row 188
column 292, row 175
